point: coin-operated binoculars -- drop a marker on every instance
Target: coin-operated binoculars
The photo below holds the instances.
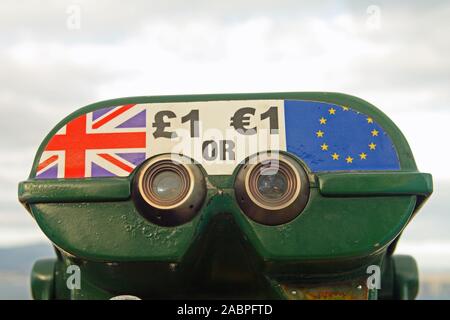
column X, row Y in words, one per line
column 277, row 195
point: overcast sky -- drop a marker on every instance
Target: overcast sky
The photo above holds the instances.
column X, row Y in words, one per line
column 57, row 56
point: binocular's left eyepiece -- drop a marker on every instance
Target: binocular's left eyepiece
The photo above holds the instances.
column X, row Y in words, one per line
column 169, row 190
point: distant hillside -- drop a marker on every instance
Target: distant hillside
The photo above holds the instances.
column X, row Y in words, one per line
column 21, row 259
column 15, row 269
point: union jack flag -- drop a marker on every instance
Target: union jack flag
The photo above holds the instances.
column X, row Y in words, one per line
column 106, row 142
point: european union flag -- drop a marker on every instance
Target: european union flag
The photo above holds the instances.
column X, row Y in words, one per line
column 328, row 137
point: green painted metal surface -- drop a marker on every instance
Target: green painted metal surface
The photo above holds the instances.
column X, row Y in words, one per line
column 349, row 222
column 43, row 280
column 375, row 184
column 82, row 190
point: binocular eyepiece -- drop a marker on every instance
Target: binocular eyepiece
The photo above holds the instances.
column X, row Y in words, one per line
column 270, row 188
column 169, row 190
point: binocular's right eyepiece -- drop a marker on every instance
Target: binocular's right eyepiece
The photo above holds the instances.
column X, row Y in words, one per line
column 272, row 188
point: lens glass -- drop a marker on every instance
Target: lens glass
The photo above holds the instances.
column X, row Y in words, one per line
column 272, row 184
column 167, row 185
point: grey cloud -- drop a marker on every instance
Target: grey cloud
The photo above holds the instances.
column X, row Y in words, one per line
column 50, row 83
column 417, row 54
column 35, row 97
column 112, row 21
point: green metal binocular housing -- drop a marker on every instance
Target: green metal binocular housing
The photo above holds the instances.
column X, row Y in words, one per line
column 247, row 196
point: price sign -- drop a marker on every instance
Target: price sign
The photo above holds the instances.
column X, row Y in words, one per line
column 217, row 134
